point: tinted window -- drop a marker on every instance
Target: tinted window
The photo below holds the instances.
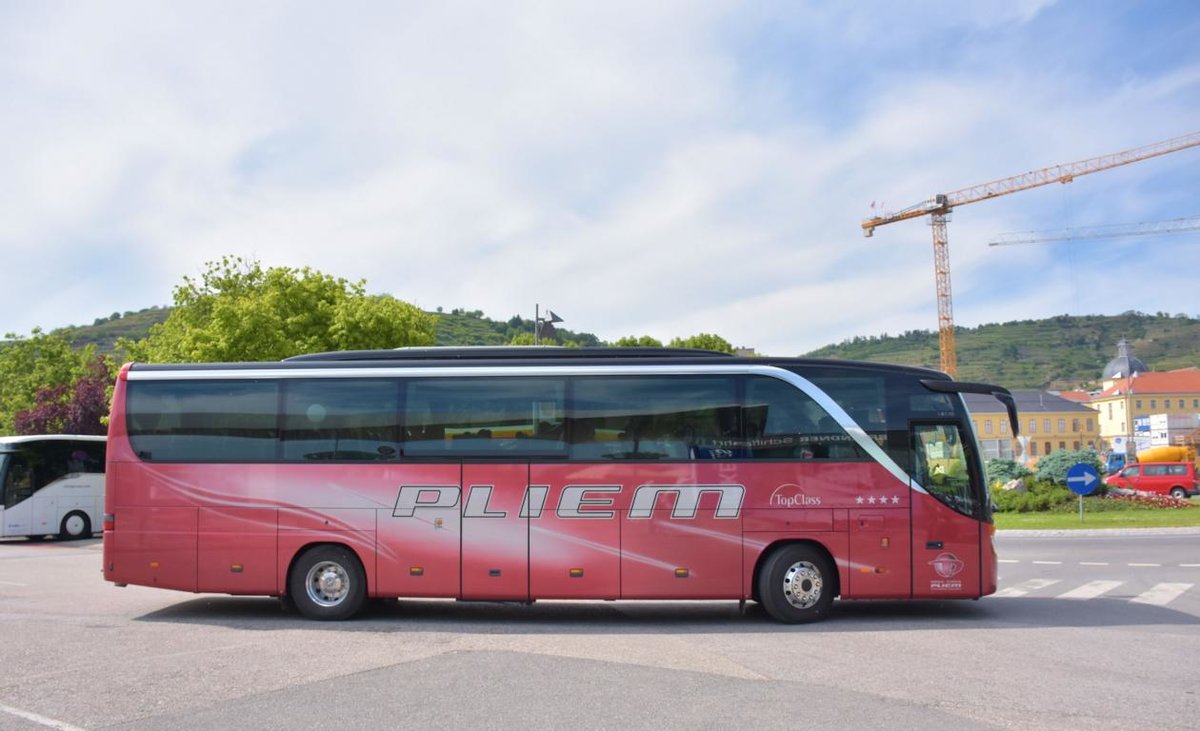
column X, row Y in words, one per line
column 484, row 417
column 883, row 403
column 341, row 419
column 654, row 418
column 86, row 457
column 782, row 422
column 225, row 421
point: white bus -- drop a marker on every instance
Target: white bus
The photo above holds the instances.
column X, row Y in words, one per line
column 52, row 485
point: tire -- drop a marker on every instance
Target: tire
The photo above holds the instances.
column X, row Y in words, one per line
column 327, row 583
column 1179, row 493
column 75, row 525
column 796, row 584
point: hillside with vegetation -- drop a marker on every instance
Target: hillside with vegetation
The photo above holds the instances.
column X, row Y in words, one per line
column 470, row 327
column 1058, row 352
column 456, row 327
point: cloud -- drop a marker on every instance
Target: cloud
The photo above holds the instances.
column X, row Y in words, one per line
column 663, row 169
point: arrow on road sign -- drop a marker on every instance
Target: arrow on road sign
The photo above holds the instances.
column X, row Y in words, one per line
column 1087, row 478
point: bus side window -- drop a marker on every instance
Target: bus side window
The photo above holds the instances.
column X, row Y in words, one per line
column 653, row 417
column 785, row 423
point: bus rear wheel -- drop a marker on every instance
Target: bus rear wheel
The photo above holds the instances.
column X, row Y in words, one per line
column 327, row 583
column 796, row 584
column 75, row 525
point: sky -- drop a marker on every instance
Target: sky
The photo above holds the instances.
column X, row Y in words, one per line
column 663, row 169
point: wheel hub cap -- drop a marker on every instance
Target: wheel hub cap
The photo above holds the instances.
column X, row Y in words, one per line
column 802, row 585
column 327, row 583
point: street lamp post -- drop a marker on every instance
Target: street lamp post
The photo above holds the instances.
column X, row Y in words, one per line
column 543, row 325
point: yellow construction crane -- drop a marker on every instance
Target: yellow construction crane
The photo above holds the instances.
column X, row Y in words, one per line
column 939, row 206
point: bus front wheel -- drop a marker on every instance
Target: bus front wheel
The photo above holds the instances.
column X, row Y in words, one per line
column 75, row 525
column 327, row 583
column 796, row 584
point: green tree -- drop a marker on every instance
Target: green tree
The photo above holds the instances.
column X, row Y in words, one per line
column 1054, row 466
column 632, row 341
column 703, row 341
column 522, row 339
column 41, row 364
column 239, row 311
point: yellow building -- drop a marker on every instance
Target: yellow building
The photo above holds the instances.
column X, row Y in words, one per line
column 1048, row 422
column 1124, row 400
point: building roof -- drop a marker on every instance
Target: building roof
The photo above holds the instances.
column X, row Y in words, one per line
column 1028, row 402
column 1183, row 380
column 1079, row 397
column 1125, row 364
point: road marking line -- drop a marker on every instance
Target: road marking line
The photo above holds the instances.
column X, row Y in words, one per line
column 12, row 583
column 1145, row 565
column 40, row 720
column 1013, row 560
column 1091, row 590
column 1189, row 565
column 1026, row 587
column 1048, row 563
column 1161, row 594
column 1093, row 563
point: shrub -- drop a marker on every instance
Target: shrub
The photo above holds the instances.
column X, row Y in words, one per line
column 1041, row 496
column 1003, row 470
column 1054, row 466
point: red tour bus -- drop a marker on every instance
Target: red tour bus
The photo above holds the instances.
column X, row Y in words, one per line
column 518, row 474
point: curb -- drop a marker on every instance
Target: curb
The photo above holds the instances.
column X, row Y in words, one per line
column 1017, row 533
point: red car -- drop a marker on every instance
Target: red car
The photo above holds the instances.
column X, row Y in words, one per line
column 1177, row 479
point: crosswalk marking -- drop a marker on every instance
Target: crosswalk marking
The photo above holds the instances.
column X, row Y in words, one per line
column 1025, row 587
column 1161, row 594
column 1091, row 590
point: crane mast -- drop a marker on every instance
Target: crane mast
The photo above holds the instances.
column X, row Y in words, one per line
column 939, row 206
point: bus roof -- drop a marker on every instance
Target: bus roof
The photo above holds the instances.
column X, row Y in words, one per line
column 23, row 439
column 514, row 356
column 505, row 352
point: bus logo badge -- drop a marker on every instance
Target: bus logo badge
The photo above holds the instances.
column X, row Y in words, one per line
column 792, row 496
column 947, row 565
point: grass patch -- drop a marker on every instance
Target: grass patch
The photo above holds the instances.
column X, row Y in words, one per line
column 1132, row 518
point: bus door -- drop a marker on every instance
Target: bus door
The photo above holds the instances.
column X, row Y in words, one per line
column 495, row 531
column 945, row 502
column 16, row 515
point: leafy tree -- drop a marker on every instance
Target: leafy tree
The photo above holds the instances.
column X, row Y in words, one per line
column 80, row 407
column 39, row 371
column 704, row 341
column 1053, row 467
column 522, row 339
column 239, row 311
column 632, row 341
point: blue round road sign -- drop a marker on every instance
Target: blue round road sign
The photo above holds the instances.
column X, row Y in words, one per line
column 1083, row 479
